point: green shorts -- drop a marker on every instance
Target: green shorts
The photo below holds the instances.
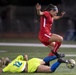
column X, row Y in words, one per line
column 33, row 64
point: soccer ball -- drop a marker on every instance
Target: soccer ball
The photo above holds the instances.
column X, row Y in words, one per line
column 71, row 63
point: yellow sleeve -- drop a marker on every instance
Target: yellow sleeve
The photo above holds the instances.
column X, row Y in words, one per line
column 6, row 69
column 20, row 57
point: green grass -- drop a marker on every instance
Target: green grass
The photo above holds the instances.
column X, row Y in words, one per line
column 40, row 52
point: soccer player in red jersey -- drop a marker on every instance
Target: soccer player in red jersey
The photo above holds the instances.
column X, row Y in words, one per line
column 53, row 41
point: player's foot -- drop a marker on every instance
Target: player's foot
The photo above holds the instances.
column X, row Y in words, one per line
column 61, row 60
column 58, row 54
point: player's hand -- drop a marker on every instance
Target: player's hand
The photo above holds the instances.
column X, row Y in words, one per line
column 26, row 57
column 38, row 6
column 62, row 13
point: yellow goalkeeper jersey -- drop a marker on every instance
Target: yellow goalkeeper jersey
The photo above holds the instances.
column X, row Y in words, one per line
column 17, row 65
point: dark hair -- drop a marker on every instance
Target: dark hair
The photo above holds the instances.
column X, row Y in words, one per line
column 51, row 7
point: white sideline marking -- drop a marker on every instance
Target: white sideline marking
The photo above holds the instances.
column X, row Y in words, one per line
column 72, row 55
column 2, row 51
column 36, row 45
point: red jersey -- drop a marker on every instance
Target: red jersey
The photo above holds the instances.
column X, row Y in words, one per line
column 46, row 22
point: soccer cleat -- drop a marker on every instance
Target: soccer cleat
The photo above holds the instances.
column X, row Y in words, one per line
column 58, row 54
column 61, row 60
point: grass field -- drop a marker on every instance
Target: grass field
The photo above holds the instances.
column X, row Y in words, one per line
column 40, row 52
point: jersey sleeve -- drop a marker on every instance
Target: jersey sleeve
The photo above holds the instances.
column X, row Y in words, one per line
column 6, row 69
column 45, row 13
column 20, row 57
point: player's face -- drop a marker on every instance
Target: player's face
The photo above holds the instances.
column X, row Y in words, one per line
column 54, row 13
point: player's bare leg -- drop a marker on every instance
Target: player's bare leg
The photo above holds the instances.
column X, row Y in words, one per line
column 51, row 46
column 43, row 68
column 56, row 41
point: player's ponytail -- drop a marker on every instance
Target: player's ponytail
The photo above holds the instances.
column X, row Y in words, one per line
column 51, row 7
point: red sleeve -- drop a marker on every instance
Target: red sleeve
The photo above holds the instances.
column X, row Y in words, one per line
column 46, row 13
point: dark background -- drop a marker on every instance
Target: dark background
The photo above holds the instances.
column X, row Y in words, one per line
column 28, row 2
column 18, row 18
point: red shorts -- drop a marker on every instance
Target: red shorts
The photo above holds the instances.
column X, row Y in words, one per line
column 44, row 38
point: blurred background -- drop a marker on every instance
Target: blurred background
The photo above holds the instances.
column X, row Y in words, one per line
column 18, row 18
column 19, row 27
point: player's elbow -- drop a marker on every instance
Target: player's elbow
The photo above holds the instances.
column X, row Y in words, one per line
column 40, row 13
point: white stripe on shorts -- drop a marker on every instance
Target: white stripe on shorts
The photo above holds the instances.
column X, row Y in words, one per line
column 47, row 35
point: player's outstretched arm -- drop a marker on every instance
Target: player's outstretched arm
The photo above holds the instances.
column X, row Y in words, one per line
column 59, row 16
column 38, row 8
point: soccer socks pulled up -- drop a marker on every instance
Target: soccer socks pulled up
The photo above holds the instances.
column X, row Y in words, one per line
column 56, row 47
column 55, row 66
column 51, row 54
column 49, row 58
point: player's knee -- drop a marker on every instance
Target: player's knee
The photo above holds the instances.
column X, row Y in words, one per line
column 60, row 39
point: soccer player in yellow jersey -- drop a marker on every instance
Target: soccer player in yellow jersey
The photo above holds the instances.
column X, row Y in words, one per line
column 22, row 64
